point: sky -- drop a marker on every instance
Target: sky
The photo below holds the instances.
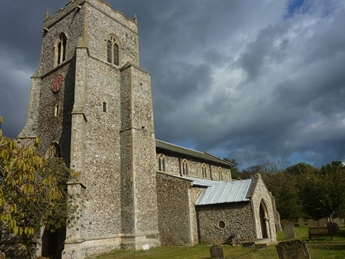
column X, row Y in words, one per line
column 253, row 81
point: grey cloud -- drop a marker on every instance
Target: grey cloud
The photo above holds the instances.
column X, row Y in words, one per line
column 198, row 54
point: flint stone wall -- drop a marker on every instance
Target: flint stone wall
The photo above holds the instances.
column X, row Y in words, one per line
column 173, row 210
column 172, row 166
column 238, row 219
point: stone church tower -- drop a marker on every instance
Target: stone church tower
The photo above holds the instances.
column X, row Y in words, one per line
column 91, row 103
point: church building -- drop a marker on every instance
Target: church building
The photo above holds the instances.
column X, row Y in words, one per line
column 91, row 103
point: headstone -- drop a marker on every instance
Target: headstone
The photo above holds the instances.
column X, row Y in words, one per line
column 337, row 221
column 248, row 244
column 146, row 247
column 301, row 222
column 217, row 252
column 2, row 256
column 284, row 222
column 295, row 249
column 323, row 223
column 333, row 227
column 289, row 231
column 235, row 241
column 261, row 246
column 312, row 223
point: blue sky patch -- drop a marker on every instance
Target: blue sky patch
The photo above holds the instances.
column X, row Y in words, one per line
column 294, row 6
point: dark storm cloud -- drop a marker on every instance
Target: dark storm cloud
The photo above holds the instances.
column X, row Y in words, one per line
column 249, row 80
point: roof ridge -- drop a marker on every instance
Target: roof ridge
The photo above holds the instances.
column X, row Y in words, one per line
column 182, row 147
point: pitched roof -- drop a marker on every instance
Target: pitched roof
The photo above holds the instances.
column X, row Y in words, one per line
column 222, row 192
column 191, row 153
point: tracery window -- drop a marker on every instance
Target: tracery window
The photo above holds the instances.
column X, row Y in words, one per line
column 60, row 49
column 184, row 167
column 112, row 50
column 203, row 169
column 161, row 162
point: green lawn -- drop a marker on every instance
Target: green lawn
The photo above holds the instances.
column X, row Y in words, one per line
column 321, row 248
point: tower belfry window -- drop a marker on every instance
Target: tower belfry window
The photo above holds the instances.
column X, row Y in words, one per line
column 112, row 51
column 60, row 49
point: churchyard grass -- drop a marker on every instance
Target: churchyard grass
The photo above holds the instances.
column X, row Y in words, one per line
column 319, row 248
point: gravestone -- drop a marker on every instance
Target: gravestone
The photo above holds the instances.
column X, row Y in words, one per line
column 289, row 231
column 261, row 246
column 312, row 223
column 248, row 244
column 2, row 256
column 337, row 221
column 284, row 222
column 333, row 227
column 323, row 223
column 295, row 249
column 301, row 222
column 217, row 252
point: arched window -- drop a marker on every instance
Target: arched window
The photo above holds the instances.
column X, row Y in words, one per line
column 161, row 162
column 203, row 169
column 112, row 50
column 60, row 49
column 54, row 150
column 220, row 174
column 184, row 167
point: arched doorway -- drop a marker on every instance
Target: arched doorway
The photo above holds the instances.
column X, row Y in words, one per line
column 52, row 243
column 263, row 219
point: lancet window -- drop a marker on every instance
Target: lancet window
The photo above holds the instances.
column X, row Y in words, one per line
column 60, row 49
column 184, row 167
column 112, row 50
column 161, row 162
column 203, row 169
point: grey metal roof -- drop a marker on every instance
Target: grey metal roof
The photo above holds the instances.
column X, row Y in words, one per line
column 223, row 192
column 191, row 153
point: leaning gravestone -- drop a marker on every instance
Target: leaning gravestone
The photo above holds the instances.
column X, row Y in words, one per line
column 295, row 249
column 301, row 222
column 284, row 222
column 289, row 231
column 337, row 221
column 323, row 223
column 312, row 224
column 217, row 252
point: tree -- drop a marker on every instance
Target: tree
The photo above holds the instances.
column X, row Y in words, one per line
column 332, row 186
column 284, row 188
column 33, row 191
column 301, row 169
column 321, row 192
column 234, row 169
